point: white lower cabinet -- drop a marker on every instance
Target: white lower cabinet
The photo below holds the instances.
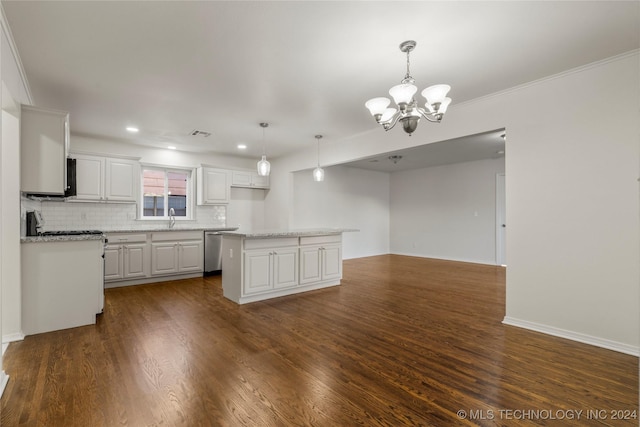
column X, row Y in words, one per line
column 176, row 252
column 266, row 270
column 126, row 257
column 320, row 258
column 255, row 269
column 147, row 257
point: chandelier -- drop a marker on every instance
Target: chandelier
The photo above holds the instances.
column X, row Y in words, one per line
column 263, row 165
column 408, row 111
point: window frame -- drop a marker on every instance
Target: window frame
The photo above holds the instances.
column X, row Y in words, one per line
column 190, row 196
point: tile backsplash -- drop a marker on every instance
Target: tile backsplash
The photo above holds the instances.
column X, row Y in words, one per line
column 115, row 216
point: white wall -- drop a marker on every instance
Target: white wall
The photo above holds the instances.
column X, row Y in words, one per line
column 14, row 90
column 446, row 212
column 246, row 209
column 573, row 208
column 11, row 289
column 571, row 193
column 347, row 198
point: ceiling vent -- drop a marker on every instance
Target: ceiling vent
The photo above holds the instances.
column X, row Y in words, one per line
column 202, row 133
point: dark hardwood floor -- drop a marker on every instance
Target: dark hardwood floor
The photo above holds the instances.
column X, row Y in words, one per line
column 403, row 341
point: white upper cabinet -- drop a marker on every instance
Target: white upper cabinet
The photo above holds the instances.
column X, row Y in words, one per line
column 213, row 186
column 89, row 177
column 121, row 181
column 106, row 179
column 249, row 179
column 44, row 141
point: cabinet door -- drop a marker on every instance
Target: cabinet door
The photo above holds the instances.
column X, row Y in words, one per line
column 44, row 136
column 89, row 177
column 164, row 259
column 113, row 268
column 121, row 180
column 135, row 260
column 310, row 262
column 331, row 262
column 259, row 181
column 190, row 256
column 285, row 267
column 241, row 178
column 213, row 186
column 257, row 272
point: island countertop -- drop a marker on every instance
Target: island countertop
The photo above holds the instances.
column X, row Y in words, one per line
column 266, row 234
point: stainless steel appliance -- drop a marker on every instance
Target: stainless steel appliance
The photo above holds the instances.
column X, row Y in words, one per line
column 34, row 223
column 212, row 253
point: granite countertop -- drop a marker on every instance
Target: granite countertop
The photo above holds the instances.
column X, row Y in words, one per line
column 63, row 238
column 153, row 230
column 78, row 237
column 265, row 234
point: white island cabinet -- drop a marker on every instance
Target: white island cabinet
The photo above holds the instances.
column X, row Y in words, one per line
column 262, row 265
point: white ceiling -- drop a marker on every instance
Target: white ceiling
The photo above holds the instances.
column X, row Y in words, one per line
column 306, row 67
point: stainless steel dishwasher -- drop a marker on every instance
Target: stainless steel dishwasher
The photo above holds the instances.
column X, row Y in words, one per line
column 212, row 253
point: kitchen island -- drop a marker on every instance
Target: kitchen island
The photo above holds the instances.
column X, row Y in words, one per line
column 272, row 263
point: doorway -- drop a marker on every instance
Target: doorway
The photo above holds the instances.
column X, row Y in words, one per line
column 501, row 222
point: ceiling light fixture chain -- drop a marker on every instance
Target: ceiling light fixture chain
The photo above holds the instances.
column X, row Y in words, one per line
column 408, row 111
column 408, row 47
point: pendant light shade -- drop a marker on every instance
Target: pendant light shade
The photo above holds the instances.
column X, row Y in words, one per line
column 318, row 172
column 264, row 167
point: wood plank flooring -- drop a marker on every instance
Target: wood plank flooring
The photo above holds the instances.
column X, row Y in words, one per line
column 403, row 341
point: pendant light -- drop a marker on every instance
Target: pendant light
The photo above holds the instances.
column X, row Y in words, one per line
column 318, row 172
column 264, row 167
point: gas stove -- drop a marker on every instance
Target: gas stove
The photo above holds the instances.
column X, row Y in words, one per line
column 70, row 232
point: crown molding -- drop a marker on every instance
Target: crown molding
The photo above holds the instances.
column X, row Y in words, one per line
column 559, row 75
column 6, row 31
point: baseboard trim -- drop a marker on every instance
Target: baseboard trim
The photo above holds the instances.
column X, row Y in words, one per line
column 469, row 261
column 4, row 379
column 16, row 336
column 573, row 336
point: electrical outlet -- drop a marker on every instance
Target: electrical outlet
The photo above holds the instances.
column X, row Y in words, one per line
column 230, row 253
column 83, row 216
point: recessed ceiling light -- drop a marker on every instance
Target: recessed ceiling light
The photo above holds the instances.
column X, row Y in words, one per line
column 171, row 147
column 242, row 147
column 132, row 129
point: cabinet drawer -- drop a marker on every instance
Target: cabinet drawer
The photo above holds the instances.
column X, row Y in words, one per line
column 270, row 243
column 319, row 240
column 175, row 236
column 116, row 238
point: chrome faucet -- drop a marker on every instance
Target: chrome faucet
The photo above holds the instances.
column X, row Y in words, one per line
column 172, row 218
